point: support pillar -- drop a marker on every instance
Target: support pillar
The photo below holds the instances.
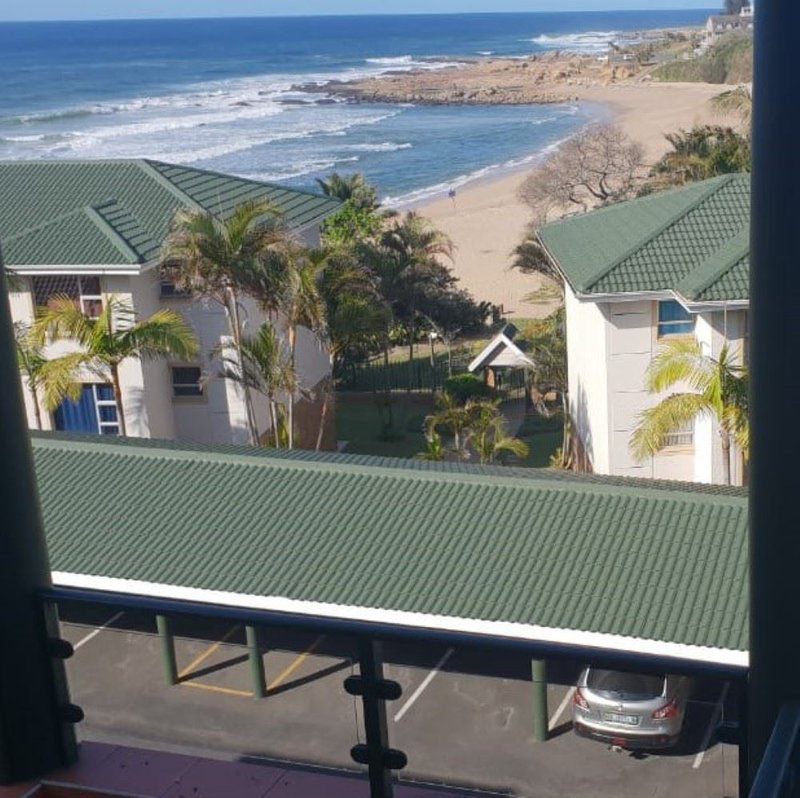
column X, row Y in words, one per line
column 36, row 733
column 164, row 625
column 256, row 658
column 540, row 709
column 774, row 677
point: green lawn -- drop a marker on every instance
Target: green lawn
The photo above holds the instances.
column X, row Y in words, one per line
column 358, row 421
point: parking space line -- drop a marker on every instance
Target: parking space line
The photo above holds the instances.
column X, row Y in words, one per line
column 425, row 682
column 712, row 723
column 92, row 635
column 560, row 711
column 287, row 672
column 214, row 689
column 207, row 653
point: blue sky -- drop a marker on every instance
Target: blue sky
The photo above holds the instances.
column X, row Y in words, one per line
column 115, row 9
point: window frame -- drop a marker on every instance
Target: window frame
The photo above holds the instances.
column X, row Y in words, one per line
column 662, row 333
column 200, row 396
column 678, row 438
column 82, row 297
column 98, row 403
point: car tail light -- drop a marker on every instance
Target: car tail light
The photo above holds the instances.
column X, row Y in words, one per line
column 667, row 712
column 579, row 700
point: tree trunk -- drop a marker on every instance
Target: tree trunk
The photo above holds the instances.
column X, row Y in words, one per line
column 118, row 399
column 323, row 416
column 273, row 417
column 411, row 333
column 726, row 457
column 236, row 331
column 292, row 332
column 37, row 413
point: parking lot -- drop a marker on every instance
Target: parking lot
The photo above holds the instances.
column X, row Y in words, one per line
column 464, row 719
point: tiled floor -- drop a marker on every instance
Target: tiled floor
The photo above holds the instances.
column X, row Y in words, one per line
column 154, row 774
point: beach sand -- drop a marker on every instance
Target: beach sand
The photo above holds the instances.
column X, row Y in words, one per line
column 488, row 220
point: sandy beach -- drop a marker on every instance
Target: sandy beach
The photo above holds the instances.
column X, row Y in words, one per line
column 487, row 219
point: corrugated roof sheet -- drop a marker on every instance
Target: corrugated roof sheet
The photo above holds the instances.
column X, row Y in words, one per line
column 118, row 212
column 667, row 241
column 658, row 561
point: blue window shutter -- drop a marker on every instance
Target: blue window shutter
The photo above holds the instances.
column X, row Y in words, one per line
column 79, row 416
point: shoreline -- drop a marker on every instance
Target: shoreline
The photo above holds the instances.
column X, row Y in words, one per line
column 487, row 219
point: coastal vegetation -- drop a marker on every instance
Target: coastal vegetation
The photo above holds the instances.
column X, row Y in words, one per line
column 729, row 61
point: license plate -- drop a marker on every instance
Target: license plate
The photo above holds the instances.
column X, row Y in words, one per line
column 617, row 717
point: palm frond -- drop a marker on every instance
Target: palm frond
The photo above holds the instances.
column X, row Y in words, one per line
column 670, row 415
column 165, row 333
column 59, row 378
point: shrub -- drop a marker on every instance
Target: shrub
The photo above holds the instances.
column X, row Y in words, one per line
column 464, row 387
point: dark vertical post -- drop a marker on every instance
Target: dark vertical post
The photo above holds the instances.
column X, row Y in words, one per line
column 540, row 709
column 775, row 344
column 164, row 626
column 256, row 662
column 34, row 738
column 375, row 725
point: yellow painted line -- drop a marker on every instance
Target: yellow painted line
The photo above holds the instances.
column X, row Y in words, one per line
column 214, row 689
column 285, row 674
column 207, row 653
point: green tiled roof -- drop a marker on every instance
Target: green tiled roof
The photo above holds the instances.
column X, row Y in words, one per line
column 687, row 240
column 118, row 212
column 655, row 561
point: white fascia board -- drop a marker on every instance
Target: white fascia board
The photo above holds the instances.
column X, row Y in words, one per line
column 513, row 631
column 500, row 338
column 41, row 270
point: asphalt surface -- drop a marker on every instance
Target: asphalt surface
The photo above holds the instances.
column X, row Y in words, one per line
column 464, row 718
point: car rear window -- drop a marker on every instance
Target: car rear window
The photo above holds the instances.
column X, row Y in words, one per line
column 632, row 685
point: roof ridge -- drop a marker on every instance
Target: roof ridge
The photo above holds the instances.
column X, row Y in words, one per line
column 708, row 272
column 146, row 165
column 408, row 474
column 110, row 232
column 718, row 183
column 228, row 176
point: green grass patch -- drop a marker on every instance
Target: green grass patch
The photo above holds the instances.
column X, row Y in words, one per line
column 543, row 436
column 729, row 61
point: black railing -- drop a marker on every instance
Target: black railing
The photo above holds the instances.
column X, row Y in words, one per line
column 779, row 773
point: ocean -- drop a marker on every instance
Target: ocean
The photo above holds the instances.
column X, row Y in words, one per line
column 219, row 94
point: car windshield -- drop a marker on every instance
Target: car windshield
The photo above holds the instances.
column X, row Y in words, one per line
column 638, row 686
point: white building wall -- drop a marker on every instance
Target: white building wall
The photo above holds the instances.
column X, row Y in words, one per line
column 587, row 355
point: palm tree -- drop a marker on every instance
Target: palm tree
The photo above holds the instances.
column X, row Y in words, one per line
column 106, row 341
column 487, row 432
column 32, row 361
column 301, row 302
column 205, row 256
column 405, row 262
column 719, row 390
column 266, row 368
column 451, row 415
column 350, row 188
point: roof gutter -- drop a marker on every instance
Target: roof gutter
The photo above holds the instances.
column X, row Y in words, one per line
column 399, row 632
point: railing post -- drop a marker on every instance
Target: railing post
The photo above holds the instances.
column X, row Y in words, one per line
column 775, row 343
column 36, row 734
column 256, row 658
column 164, row 626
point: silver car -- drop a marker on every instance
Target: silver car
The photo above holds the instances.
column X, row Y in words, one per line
column 631, row 710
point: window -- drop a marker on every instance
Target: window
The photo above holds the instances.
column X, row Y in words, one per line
column 186, row 381
column 85, row 291
column 684, row 436
column 95, row 412
column 674, row 319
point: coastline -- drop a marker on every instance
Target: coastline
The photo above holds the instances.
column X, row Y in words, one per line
column 488, row 219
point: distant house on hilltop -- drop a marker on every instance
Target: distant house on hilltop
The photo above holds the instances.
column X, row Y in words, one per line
column 93, row 229
column 720, row 24
column 638, row 274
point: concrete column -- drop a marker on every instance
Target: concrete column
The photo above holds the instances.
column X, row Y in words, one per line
column 256, row 662
column 164, row 626
column 774, row 343
column 540, row 711
column 36, row 735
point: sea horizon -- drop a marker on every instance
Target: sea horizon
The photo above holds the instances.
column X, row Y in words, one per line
column 221, row 93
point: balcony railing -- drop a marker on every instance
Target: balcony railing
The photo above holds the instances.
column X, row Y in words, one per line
column 779, row 774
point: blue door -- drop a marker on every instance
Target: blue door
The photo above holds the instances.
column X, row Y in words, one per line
column 94, row 413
